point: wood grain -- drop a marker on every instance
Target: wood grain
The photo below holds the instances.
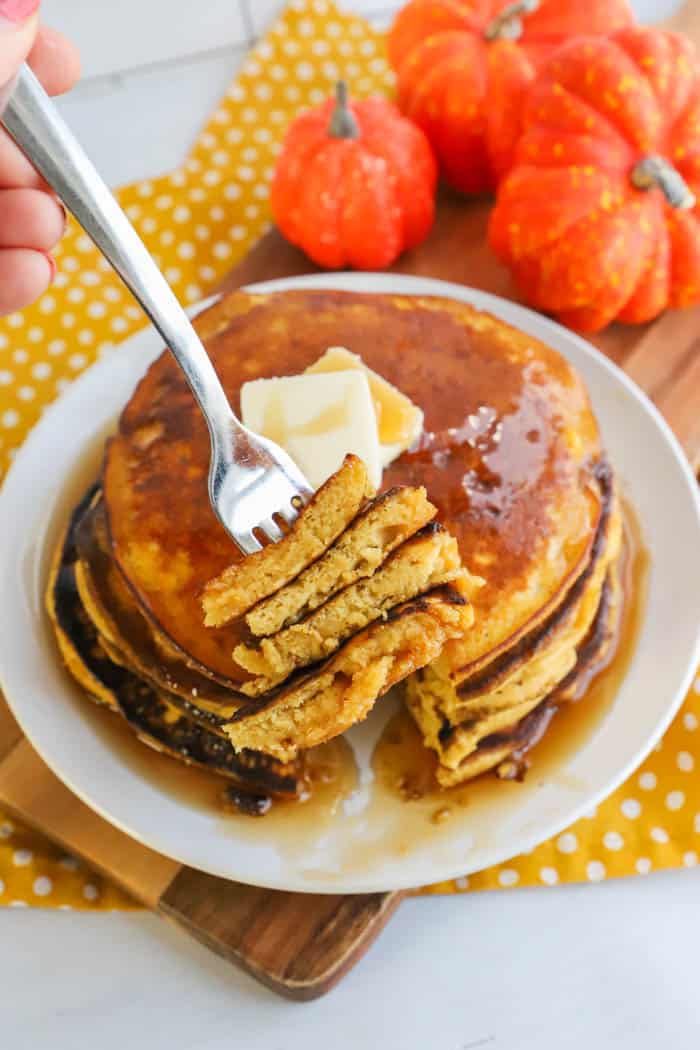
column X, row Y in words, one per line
column 301, row 944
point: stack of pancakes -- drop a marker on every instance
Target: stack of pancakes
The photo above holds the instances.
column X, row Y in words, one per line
column 243, row 663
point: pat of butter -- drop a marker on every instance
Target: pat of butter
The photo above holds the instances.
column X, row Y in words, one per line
column 399, row 421
column 317, row 419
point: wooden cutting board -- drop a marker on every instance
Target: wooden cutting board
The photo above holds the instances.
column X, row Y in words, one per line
column 301, row 944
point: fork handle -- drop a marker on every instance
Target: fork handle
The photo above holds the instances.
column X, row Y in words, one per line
column 35, row 124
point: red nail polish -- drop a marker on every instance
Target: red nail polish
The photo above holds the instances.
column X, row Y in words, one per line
column 52, row 263
column 18, row 10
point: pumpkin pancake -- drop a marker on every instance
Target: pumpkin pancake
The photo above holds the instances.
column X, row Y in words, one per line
column 508, row 457
column 148, row 712
column 385, row 523
column 505, row 749
column 330, row 698
column 428, row 560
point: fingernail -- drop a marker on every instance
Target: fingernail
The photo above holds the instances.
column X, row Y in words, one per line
column 52, row 265
column 18, row 10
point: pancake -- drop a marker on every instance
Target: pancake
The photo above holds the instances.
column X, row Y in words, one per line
column 508, row 458
column 426, row 561
column 327, row 515
column 155, row 720
column 365, row 545
column 335, row 695
column 455, row 718
column 506, row 750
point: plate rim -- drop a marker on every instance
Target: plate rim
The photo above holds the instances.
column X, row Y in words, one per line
column 506, row 310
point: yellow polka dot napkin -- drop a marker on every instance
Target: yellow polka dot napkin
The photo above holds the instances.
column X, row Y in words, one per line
column 198, row 222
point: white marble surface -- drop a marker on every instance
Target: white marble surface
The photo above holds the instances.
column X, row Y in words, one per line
column 572, row 968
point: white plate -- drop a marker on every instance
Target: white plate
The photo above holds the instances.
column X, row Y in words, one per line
column 363, row 847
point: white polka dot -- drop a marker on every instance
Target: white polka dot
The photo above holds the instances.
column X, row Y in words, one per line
column 173, row 274
column 86, row 337
column 221, row 116
column 3, row 341
column 595, row 870
column 62, row 384
column 145, row 189
column 316, row 97
column 251, row 211
column 15, row 320
column 211, row 178
column 20, row 356
column 10, row 418
column 675, row 800
column 567, row 843
column 103, row 265
column 83, row 244
column 65, row 907
column 647, row 781
column 292, row 93
column 68, row 320
column 90, row 278
column 320, row 47
column 262, row 135
column 659, row 835
column 462, row 883
column 232, row 192
column 508, row 877
column 291, row 47
column 35, row 335
column 26, row 393
column 134, row 312
column 149, row 225
column 60, row 280
column 197, row 194
column 42, row 886
column 690, row 721
column 234, row 136
column 207, row 140
column 77, row 361
column 47, row 304
column 193, row 293
column 239, row 232
column 549, row 876
column 6, row 377
column 334, row 29
column 119, row 325
column 685, row 761
column 181, row 213
column 613, row 841
column 41, row 370
column 643, row 865
column 167, row 237
column 201, row 232
column 186, row 250
column 22, row 857
column 56, row 347
column 696, row 823
column 97, row 310
column 112, row 295
column 90, row 892
column 221, row 250
column 217, row 213
column 690, row 859
column 6, row 829
column 207, row 273
column 696, row 685
column 631, row 808
column 18, row 904
column 164, row 202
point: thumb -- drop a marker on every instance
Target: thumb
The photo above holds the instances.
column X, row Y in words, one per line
column 19, row 22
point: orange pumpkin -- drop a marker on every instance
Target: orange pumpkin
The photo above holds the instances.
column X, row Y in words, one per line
column 598, row 219
column 464, row 68
column 354, row 184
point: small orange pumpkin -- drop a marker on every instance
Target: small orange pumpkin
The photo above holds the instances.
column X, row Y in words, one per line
column 354, row 184
column 598, row 220
column 464, row 68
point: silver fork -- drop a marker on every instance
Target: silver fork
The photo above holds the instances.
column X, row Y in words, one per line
column 252, row 481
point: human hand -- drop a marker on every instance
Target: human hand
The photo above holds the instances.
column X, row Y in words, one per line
column 32, row 221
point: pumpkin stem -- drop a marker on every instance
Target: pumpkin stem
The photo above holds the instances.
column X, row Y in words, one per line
column 343, row 124
column 654, row 172
column 509, row 24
